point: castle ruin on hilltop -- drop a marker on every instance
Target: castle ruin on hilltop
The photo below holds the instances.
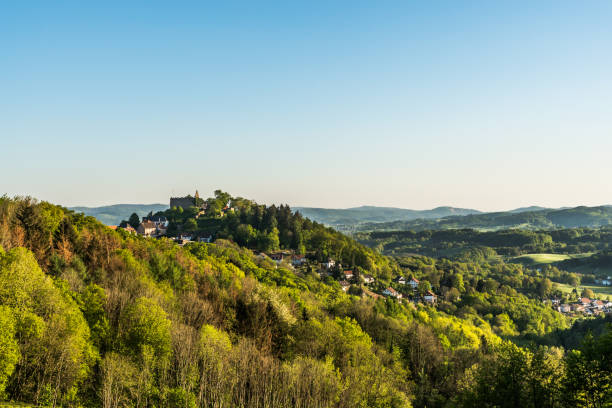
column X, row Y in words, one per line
column 187, row 201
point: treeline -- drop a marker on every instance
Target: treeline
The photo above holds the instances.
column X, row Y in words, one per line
column 473, row 245
column 601, row 260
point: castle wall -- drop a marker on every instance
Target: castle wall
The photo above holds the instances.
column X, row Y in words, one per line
column 184, row 202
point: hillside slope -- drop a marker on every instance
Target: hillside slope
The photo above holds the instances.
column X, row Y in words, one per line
column 91, row 316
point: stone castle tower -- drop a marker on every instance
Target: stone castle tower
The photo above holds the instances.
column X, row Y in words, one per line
column 185, row 202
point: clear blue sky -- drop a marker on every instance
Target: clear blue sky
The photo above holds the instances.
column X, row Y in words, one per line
column 488, row 104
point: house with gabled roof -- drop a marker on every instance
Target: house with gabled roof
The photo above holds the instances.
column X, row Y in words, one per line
column 367, row 278
column 430, row 297
column 147, row 229
column 390, row 292
column 329, row 264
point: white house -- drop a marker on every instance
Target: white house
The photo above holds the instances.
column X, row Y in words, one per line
column 392, row 293
column 329, row 264
column 147, row 229
column 368, row 278
column 429, row 297
column 414, row 283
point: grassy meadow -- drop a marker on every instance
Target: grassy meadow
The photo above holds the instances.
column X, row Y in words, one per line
column 543, row 259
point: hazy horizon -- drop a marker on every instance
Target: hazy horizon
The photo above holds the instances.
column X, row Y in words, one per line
column 339, row 208
column 483, row 105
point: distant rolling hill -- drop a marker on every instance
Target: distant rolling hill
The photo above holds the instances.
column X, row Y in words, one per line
column 114, row 214
column 528, row 209
column 539, row 219
column 372, row 214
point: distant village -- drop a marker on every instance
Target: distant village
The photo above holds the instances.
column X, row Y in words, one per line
column 584, row 306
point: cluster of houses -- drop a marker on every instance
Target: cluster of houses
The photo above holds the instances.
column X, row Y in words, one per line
column 348, row 276
column 156, row 226
column 584, row 306
column 429, row 297
column 151, row 227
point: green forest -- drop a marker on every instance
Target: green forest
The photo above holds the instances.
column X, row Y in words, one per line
column 96, row 317
column 455, row 243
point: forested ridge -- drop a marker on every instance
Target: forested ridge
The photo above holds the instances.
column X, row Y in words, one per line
column 96, row 317
column 457, row 243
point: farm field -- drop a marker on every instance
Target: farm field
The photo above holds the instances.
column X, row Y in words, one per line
column 541, row 259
